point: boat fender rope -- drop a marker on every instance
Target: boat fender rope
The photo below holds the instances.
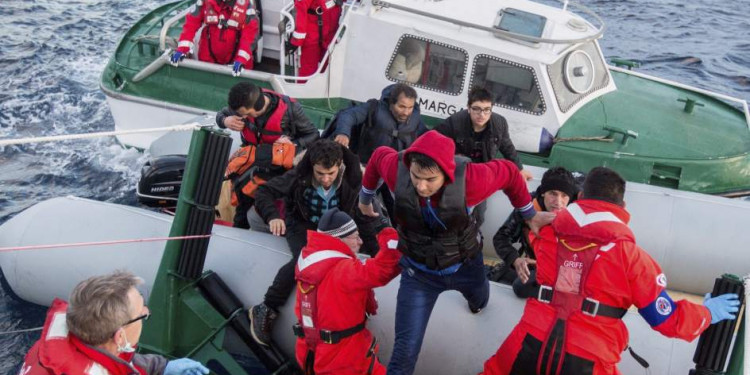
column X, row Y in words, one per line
column 21, row 331
column 67, row 137
column 98, row 243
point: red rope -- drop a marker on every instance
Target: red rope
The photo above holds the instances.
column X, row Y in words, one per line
column 114, row 242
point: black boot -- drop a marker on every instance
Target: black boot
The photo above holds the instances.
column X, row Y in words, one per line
column 262, row 319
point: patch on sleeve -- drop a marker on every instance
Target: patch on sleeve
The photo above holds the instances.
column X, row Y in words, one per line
column 659, row 310
column 661, row 280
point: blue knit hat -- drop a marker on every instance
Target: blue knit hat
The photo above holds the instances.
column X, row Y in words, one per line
column 336, row 223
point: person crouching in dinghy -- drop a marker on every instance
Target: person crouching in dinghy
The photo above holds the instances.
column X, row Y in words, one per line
column 97, row 332
column 590, row 271
column 334, row 297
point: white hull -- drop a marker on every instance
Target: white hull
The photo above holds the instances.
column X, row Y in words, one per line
column 247, row 261
column 133, row 113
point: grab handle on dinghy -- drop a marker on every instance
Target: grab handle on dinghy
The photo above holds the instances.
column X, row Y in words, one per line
column 713, row 346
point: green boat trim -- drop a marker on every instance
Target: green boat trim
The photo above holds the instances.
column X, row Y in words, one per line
column 655, row 131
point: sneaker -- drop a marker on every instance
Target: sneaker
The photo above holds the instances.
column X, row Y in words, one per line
column 475, row 310
column 262, row 319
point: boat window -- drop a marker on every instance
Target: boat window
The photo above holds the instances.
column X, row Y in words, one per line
column 515, row 86
column 520, row 22
column 577, row 74
column 428, row 64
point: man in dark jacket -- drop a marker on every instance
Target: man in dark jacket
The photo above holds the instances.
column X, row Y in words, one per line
column 557, row 190
column 479, row 133
column 264, row 117
column 392, row 121
column 328, row 176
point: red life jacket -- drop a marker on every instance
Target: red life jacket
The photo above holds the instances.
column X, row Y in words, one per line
column 58, row 352
column 236, row 21
column 271, row 130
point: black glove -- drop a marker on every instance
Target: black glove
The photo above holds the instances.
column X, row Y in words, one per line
column 290, row 48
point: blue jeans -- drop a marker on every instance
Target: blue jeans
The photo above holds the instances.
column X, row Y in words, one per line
column 417, row 295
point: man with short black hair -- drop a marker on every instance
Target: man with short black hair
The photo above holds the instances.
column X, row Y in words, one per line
column 263, row 117
column 392, row 121
column 434, row 192
column 479, row 133
column 97, row 333
column 327, row 177
column 590, row 271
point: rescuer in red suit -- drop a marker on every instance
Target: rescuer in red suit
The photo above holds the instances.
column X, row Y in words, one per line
column 590, row 271
column 334, row 292
column 229, row 35
column 316, row 23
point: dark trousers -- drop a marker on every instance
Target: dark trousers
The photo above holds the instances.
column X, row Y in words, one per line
column 283, row 283
column 240, row 213
column 417, row 295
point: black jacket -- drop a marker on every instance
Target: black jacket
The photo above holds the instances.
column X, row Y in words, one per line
column 381, row 131
column 291, row 186
column 496, row 138
column 294, row 123
column 514, row 231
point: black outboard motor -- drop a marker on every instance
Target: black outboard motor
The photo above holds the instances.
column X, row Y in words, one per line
column 160, row 181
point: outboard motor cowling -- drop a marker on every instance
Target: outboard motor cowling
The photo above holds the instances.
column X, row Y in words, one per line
column 160, row 181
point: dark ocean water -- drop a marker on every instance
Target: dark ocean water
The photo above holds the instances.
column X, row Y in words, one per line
column 53, row 51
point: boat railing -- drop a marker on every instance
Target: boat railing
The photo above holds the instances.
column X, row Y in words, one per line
column 503, row 33
column 167, row 25
column 741, row 102
column 273, row 79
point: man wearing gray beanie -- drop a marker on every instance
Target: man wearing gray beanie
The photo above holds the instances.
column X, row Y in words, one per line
column 334, row 292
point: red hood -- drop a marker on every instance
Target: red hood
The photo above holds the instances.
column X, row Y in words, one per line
column 595, row 220
column 321, row 253
column 438, row 147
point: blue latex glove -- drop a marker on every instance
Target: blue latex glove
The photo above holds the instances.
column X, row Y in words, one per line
column 722, row 307
column 185, row 366
column 237, row 69
column 177, row 56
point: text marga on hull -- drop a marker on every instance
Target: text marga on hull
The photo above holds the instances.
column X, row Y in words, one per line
column 544, row 65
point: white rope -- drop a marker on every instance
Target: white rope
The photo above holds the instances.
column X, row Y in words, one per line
column 21, row 331
column 65, row 137
column 114, row 242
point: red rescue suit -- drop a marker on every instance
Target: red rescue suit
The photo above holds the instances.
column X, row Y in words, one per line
column 316, row 23
column 58, row 352
column 230, row 32
column 334, row 292
column 619, row 274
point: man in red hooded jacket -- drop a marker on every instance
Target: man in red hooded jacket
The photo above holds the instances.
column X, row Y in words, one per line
column 590, row 271
column 334, row 292
column 315, row 26
column 230, row 33
column 97, row 333
column 434, row 192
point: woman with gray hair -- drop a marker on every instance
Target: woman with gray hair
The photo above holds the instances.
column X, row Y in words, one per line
column 97, row 332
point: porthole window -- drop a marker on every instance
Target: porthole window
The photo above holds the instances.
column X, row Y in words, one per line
column 428, row 64
column 514, row 86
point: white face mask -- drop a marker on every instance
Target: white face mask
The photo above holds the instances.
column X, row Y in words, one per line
column 127, row 348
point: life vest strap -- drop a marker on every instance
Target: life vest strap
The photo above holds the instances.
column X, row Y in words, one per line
column 331, row 337
column 590, row 306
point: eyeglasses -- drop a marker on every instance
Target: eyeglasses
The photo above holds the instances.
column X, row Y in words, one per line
column 143, row 317
column 478, row 110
